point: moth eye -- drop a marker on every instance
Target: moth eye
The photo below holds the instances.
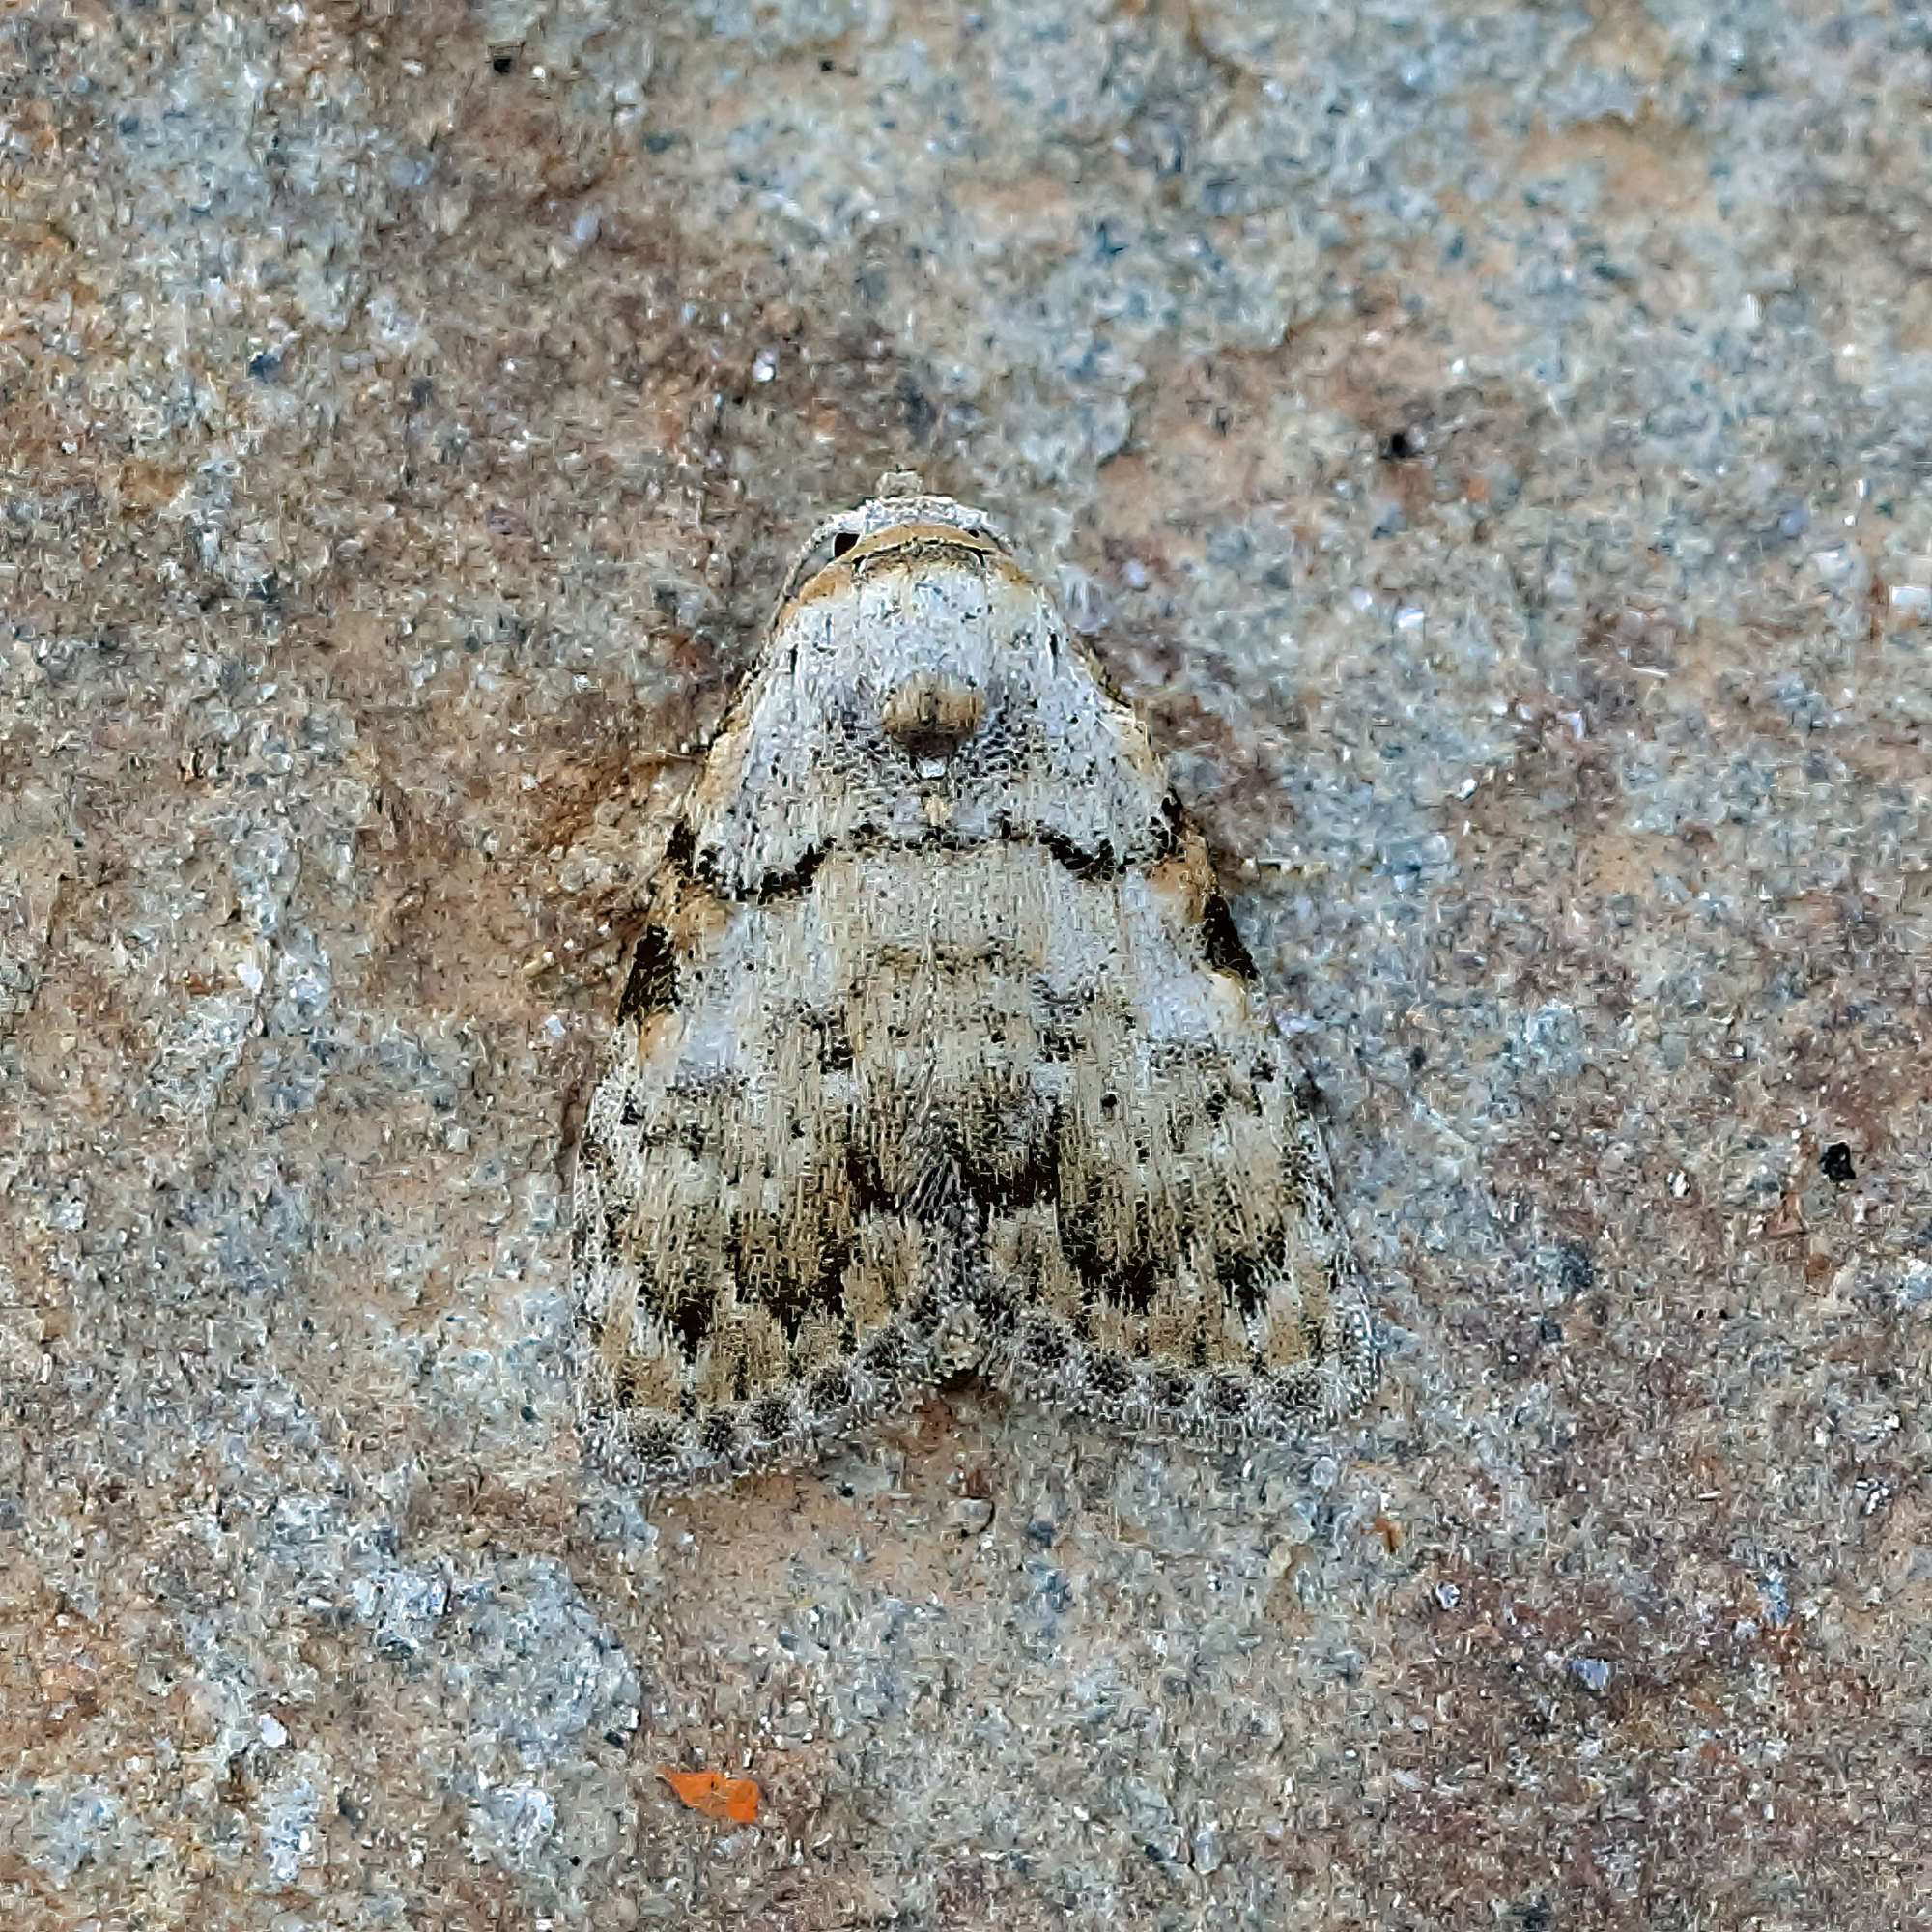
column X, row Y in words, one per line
column 827, row 548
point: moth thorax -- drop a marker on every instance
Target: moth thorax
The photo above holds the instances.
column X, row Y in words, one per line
column 931, row 715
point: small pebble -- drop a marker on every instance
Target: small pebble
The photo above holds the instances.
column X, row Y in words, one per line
column 1208, row 1848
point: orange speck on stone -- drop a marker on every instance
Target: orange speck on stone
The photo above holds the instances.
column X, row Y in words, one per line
column 713, row 1795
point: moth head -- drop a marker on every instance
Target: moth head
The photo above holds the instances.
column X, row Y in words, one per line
column 918, row 686
column 911, row 621
column 894, row 509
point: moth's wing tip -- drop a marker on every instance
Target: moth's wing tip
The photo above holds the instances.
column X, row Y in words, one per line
column 787, row 1425
column 1159, row 1397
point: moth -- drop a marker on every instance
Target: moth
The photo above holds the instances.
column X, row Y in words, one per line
column 940, row 1051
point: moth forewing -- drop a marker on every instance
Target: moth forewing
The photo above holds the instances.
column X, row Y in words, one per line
column 940, row 1050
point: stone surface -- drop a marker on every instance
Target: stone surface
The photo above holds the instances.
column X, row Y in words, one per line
column 1492, row 441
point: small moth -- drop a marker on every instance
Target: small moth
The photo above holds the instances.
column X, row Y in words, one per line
column 940, row 1051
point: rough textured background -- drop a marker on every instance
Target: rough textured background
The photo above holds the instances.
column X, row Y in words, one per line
column 1494, row 441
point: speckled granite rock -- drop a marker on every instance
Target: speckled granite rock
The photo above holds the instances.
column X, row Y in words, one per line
column 1493, row 443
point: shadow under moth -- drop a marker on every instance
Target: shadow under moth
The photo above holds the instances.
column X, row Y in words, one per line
column 940, row 1051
